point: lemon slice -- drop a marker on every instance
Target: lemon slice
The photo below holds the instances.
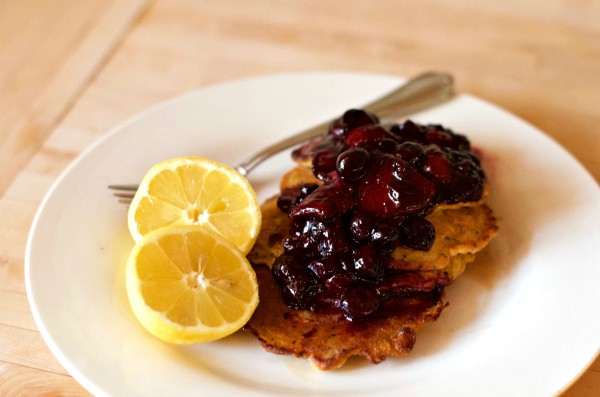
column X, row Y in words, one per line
column 196, row 191
column 187, row 284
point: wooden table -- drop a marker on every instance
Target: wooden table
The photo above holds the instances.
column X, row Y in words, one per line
column 70, row 70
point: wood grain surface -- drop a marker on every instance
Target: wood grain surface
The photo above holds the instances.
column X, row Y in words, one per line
column 71, row 70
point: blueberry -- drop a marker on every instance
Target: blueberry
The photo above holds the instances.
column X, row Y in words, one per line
column 410, row 152
column 385, row 237
column 298, row 285
column 351, row 120
column 361, row 226
column 417, row 233
column 359, row 302
column 366, row 263
column 353, row 163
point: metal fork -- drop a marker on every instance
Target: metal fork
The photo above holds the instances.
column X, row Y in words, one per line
column 418, row 93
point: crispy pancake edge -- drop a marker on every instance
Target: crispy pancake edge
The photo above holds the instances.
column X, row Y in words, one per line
column 327, row 340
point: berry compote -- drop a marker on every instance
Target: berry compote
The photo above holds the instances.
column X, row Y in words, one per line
column 378, row 184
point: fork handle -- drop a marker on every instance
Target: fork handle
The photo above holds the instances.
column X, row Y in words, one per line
column 420, row 92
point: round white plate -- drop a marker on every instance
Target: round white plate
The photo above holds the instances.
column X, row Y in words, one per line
column 523, row 320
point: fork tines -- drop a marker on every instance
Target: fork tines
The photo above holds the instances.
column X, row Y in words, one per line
column 123, row 187
column 125, row 193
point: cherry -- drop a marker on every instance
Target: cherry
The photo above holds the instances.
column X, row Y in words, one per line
column 437, row 166
column 368, row 136
column 393, row 188
column 334, row 241
column 327, row 201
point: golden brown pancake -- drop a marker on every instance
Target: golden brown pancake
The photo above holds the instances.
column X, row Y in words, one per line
column 327, row 339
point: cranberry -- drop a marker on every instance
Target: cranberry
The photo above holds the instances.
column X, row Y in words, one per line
column 394, row 188
column 353, row 163
column 417, row 233
column 351, row 120
column 358, row 302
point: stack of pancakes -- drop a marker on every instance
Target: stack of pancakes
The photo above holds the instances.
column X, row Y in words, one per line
column 327, row 339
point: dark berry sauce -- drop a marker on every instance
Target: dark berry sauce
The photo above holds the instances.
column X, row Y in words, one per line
column 378, row 185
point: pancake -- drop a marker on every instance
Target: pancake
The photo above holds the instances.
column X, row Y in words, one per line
column 410, row 292
column 327, row 340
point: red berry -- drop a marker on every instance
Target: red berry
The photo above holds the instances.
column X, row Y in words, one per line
column 367, row 136
column 394, row 189
column 417, row 233
column 351, row 120
column 353, row 163
column 358, row 302
column 437, row 166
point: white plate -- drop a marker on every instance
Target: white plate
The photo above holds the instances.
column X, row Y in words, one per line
column 522, row 321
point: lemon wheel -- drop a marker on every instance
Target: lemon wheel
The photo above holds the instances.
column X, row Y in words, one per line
column 188, row 284
column 196, row 191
